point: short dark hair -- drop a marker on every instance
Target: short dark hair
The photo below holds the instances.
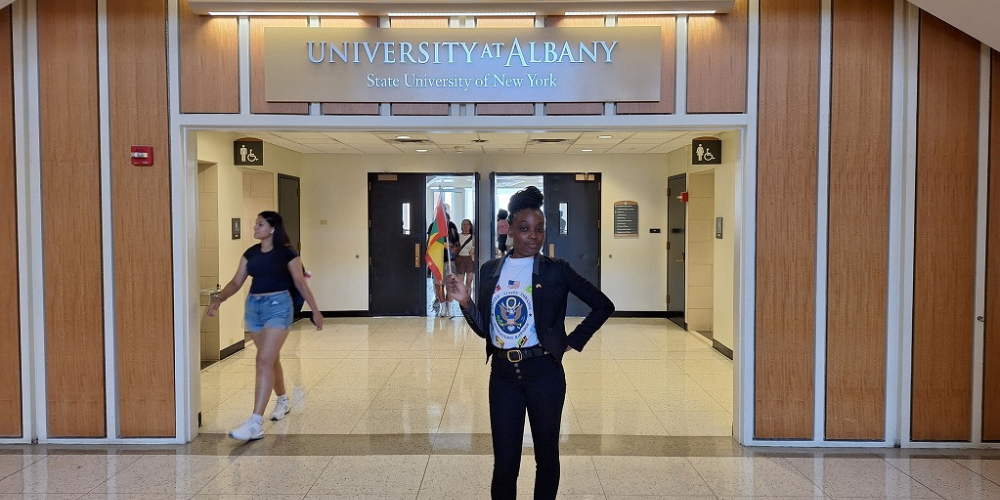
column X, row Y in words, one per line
column 502, row 214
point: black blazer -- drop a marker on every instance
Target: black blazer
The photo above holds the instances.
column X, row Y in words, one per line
column 553, row 280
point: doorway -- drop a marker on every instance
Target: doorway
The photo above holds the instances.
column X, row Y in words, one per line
column 400, row 210
column 572, row 212
column 676, row 227
column 289, row 207
column 396, row 244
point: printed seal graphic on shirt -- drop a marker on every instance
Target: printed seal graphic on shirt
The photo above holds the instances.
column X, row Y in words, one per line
column 510, row 313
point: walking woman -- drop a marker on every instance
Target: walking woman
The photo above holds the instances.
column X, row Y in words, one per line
column 276, row 268
column 465, row 255
column 521, row 311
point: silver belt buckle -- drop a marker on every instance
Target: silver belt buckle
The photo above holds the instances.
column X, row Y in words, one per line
column 520, row 356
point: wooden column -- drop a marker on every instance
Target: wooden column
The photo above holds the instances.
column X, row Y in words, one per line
column 10, row 324
column 69, row 118
column 857, row 269
column 141, row 212
column 786, row 218
column 944, row 271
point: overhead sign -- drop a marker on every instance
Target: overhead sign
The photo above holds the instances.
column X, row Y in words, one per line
column 706, row 151
column 248, row 152
column 462, row 65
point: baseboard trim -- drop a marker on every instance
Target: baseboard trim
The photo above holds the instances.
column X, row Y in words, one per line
column 639, row 314
column 229, row 351
column 335, row 314
column 727, row 352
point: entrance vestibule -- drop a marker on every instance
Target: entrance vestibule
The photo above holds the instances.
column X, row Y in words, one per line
column 336, row 236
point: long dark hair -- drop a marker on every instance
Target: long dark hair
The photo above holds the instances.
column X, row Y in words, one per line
column 279, row 237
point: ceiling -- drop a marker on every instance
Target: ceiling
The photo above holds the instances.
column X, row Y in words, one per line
column 479, row 143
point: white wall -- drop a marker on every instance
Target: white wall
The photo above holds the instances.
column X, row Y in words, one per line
column 724, row 263
column 334, row 189
column 700, row 257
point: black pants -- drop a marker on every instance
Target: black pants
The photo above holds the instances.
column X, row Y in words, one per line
column 537, row 385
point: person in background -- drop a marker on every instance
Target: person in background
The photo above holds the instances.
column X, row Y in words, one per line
column 442, row 304
column 520, row 310
column 465, row 253
column 275, row 267
column 502, row 227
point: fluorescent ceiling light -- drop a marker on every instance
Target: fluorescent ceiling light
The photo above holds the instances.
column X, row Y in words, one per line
column 268, row 13
column 402, row 137
column 421, row 150
column 639, row 12
column 587, row 150
column 460, row 14
column 604, row 137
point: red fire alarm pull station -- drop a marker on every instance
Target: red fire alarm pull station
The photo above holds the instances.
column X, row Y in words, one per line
column 142, row 156
column 683, row 197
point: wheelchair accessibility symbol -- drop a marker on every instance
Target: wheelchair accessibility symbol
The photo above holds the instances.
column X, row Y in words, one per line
column 248, row 152
column 706, row 151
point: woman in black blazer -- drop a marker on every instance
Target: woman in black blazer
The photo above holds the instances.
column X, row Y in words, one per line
column 521, row 312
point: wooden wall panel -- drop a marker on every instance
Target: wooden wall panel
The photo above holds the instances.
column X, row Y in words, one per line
column 505, row 22
column 668, row 66
column 420, row 108
column 945, row 234
column 350, row 108
column 10, row 325
column 574, row 108
column 71, row 208
column 717, row 45
column 140, row 212
column 209, row 62
column 857, row 270
column 786, row 218
column 258, row 104
column 991, row 378
column 504, row 108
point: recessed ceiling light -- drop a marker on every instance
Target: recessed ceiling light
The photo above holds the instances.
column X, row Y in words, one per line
column 266, row 13
column 639, row 12
column 402, row 137
column 587, row 150
column 460, row 14
column 605, row 136
column 421, row 150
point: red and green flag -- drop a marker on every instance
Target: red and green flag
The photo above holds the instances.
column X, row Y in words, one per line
column 437, row 240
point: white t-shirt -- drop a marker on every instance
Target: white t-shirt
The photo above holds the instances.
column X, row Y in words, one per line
column 512, row 323
column 466, row 251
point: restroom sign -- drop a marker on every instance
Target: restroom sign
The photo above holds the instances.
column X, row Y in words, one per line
column 706, row 151
column 248, row 152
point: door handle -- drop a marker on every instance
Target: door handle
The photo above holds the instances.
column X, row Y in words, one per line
column 416, row 255
column 981, row 319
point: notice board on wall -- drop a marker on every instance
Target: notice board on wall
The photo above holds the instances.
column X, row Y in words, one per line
column 626, row 219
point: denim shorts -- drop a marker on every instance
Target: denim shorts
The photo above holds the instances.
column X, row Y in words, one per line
column 268, row 310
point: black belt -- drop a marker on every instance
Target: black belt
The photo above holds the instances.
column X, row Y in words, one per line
column 516, row 355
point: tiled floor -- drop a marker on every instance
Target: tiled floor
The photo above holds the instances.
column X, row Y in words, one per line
column 428, row 376
column 396, row 409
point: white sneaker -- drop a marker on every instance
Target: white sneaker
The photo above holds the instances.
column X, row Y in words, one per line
column 248, row 431
column 281, row 408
